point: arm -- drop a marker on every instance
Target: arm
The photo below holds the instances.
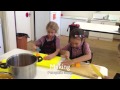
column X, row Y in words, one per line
column 76, row 60
column 50, row 56
column 55, row 53
column 34, row 47
column 65, row 54
column 82, row 58
column 38, row 43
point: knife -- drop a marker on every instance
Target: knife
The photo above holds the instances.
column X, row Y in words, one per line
column 96, row 70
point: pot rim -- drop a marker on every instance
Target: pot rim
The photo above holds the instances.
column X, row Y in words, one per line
column 18, row 55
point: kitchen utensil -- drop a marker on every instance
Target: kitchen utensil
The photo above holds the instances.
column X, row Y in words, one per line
column 96, row 70
column 22, row 66
column 47, row 63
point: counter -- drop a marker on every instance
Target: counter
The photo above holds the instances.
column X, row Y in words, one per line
column 105, row 20
column 75, row 17
column 45, row 73
column 99, row 28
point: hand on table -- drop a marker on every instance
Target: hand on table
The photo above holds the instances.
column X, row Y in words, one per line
column 67, row 62
column 48, row 57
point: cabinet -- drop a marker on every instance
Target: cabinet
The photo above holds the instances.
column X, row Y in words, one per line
column 105, row 36
column 94, row 35
column 103, row 22
column 102, row 36
column 117, row 36
column 65, row 22
column 110, row 23
column 97, row 22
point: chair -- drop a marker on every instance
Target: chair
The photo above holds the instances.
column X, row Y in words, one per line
column 72, row 27
column 117, row 76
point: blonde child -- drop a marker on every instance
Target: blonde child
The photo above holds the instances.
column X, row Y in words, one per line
column 77, row 49
column 50, row 43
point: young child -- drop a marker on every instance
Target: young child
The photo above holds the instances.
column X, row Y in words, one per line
column 50, row 43
column 77, row 49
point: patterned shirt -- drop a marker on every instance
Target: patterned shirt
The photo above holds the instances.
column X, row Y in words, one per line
column 77, row 51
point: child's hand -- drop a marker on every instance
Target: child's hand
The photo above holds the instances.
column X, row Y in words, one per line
column 67, row 62
column 34, row 48
column 48, row 57
column 66, row 55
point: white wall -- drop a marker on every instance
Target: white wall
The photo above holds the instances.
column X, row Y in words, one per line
column 9, row 36
column 1, row 17
column 5, row 41
column 111, row 12
column 1, row 40
column 41, row 20
column 57, row 19
column 32, row 24
column 23, row 23
column 88, row 14
column 10, row 33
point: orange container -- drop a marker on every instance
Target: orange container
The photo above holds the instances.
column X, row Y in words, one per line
column 22, row 41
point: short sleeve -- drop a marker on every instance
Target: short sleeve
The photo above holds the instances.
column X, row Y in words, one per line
column 40, row 41
column 86, row 48
column 57, row 43
column 66, row 47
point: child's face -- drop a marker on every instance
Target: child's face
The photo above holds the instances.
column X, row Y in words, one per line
column 51, row 32
column 75, row 42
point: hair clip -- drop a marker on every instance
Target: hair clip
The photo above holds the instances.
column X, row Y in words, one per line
column 78, row 36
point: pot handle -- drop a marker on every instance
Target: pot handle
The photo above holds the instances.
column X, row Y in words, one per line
column 3, row 65
column 39, row 58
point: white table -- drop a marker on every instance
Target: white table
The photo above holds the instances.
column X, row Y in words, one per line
column 45, row 73
column 99, row 28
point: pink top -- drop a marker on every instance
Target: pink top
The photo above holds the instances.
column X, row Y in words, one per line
column 42, row 40
column 77, row 51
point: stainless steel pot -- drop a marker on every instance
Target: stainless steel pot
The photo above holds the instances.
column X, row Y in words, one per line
column 22, row 66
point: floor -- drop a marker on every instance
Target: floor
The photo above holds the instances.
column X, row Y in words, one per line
column 105, row 53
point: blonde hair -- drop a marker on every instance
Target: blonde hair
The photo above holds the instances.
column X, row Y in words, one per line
column 52, row 25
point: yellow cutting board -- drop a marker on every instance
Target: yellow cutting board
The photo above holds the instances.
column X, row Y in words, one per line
column 47, row 63
column 74, row 76
column 4, row 70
